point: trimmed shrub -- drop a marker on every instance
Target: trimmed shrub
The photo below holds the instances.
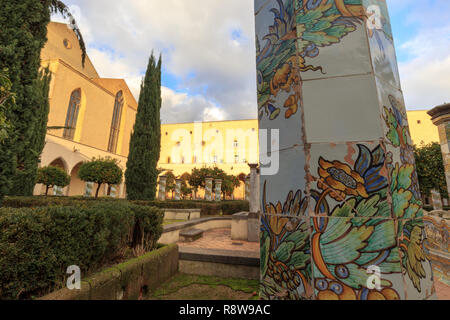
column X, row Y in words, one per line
column 51, row 177
column 207, row 208
column 101, row 171
column 38, row 244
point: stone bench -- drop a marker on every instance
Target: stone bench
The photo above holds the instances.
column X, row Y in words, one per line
column 181, row 214
column 190, row 235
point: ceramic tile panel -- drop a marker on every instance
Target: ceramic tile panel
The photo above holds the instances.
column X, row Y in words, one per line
column 349, row 253
column 333, row 45
column 404, row 182
column 349, row 180
column 404, row 189
column 285, row 258
column 278, row 70
column 381, row 42
column 341, row 110
column 284, row 193
column 416, row 266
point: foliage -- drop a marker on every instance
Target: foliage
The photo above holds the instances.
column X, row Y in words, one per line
column 101, row 171
column 6, row 156
column 430, row 169
column 5, row 95
column 38, row 244
column 23, row 26
column 198, row 176
column 207, row 207
column 171, row 181
column 141, row 174
column 51, row 177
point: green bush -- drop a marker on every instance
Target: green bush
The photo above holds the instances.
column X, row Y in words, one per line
column 38, row 244
column 101, row 171
column 51, row 177
column 207, row 208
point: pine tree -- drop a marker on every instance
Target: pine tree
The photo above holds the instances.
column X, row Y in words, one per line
column 23, row 25
column 145, row 145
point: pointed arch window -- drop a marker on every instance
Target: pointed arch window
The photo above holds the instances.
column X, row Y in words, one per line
column 115, row 123
column 72, row 114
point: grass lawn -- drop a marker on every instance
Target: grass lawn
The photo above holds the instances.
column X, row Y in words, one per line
column 167, row 222
column 193, row 287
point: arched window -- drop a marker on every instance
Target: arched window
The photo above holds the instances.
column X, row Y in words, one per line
column 72, row 114
column 115, row 124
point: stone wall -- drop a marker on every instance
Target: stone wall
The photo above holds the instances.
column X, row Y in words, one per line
column 130, row 280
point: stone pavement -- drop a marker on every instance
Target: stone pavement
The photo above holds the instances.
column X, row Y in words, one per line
column 221, row 239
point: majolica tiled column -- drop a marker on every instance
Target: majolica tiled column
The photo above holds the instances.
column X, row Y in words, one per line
column 177, row 189
column 217, row 189
column 247, row 188
column 208, row 189
column 162, row 188
column 344, row 208
column 440, row 116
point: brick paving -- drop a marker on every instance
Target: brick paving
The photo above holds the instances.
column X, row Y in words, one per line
column 221, row 239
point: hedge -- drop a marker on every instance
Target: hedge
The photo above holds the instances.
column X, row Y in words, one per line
column 207, row 208
column 38, row 244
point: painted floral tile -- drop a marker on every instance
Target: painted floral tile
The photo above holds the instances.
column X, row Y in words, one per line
column 416, row 266
column 285, row 258
column 349, row 255
column 278, row 69
column 348, row 180
column 284, row 192
column 381, row 42
column 332, row 39
column 404, row 181
column 404, row 187
column 342, row 110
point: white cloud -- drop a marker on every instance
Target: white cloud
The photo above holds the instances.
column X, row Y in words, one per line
column 180, row 107
column 195, row 39
column 425, row 78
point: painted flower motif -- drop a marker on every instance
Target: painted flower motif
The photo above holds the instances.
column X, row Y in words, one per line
column 340, row 180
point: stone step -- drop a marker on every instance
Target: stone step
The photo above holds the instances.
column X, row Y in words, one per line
column 190, row 235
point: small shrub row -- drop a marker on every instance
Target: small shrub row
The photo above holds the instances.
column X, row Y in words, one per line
column 207, row 208
column 38, row 244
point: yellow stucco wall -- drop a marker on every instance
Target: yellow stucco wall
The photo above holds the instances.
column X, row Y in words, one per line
column 422, row 129
column 55, row 49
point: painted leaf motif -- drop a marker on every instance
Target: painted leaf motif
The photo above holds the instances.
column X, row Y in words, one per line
column 299, row 260
column 284, row 251
column 346, row 249
column 346, row 210
column 383, row 237
column 265, row 254
column 405, row 177
column 368, row 207
column 394, row 175
column 400, row 201
column 299, row 238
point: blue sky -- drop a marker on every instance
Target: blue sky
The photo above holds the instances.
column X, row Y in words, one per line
column 208, row 51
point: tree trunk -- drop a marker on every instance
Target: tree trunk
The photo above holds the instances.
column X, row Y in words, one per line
column 98, row 189
column 46, row 190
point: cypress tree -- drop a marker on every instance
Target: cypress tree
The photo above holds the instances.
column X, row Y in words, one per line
column 145, row 145
column 23, row 25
